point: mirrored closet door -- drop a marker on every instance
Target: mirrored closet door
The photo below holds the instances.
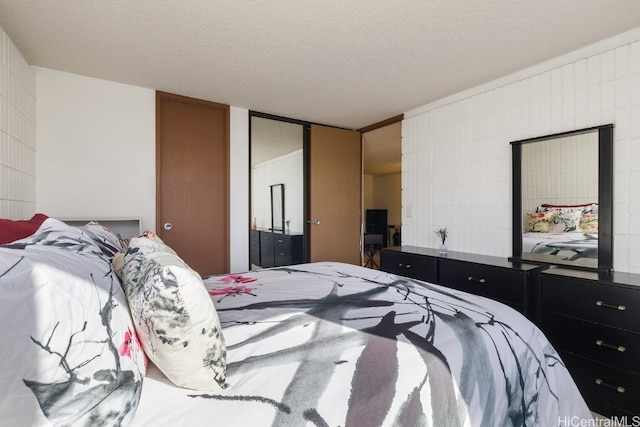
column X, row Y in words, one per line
column 277, row 191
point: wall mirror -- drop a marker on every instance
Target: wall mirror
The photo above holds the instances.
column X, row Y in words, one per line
column 277, row 207
column 276, row 153
column 563, row 199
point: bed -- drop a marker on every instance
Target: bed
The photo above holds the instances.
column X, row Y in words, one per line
column 320, row 344
column 567, row 232
column 569, row 246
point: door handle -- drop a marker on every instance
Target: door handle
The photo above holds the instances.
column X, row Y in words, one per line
column 314, row 221
column 167, row 226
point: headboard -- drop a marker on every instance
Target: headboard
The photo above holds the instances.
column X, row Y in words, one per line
column 124, row 227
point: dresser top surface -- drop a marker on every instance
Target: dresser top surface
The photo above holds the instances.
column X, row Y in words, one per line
column 466, row 257
column 284, row 233
column 610, row 277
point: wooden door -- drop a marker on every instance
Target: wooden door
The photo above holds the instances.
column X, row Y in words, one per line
column 192, row 176
column 335, row 164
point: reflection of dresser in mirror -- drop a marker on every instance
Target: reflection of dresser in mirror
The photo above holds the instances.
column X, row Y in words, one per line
column 275, row 248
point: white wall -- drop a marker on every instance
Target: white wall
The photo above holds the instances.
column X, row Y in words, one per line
column 287, row 170
column 17, row 133
column 387, row 191
column 96, row 154
column 239, row 187
column 368, row 201
column 560, row 172
column 456, row 169
column 96, row 148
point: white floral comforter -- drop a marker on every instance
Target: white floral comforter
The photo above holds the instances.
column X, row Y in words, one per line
column 332, row 344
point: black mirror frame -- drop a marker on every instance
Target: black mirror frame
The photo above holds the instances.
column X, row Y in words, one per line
column 277, row 207
column 605, row 196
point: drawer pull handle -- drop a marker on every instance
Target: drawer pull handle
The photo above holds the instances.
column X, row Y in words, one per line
column 473, row 279
column 280, row 241
column 617, row 388
column 616, row 307
column 620, row 348
column 281, row 253
column 405, row 266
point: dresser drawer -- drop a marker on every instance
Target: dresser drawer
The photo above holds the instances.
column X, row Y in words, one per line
column 611, row 305
column 282, row 243
column 267, row 257
column 606, row 389
column 267, row 238
column 254, row 256
column 611, row 346
column 410, row 265
column 283, row 258
column 288, row 249
column 254, row 247
column 267, row 253
column 282, row 250
column 494, row 282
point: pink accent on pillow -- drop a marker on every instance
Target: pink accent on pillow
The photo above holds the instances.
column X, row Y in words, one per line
column 12, row 230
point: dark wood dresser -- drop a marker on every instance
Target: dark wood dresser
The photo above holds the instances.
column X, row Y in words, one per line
column 593, row 320
column 513, row 283
column 275, row 249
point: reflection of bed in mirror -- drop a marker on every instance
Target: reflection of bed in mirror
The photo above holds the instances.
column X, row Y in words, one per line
column 562, row 198
column 572, row 246
column 567, row 232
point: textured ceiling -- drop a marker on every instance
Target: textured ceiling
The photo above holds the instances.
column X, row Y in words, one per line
column 343, row 63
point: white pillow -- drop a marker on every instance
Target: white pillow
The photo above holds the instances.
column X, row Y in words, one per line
column 174, row 316
column 107, row 240
column 566, row 222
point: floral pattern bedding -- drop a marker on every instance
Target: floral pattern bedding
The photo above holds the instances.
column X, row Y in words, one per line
column 330, row 344
column 566, row 246
column 69, row 353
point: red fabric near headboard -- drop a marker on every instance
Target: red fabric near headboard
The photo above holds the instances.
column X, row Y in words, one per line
column 11, row 230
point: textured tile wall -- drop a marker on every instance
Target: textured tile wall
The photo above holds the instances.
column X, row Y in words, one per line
column 17, row 133
column 561, row 172
column 456, row 166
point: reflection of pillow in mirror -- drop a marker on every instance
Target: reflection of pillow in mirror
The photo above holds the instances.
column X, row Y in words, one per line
column 539, row 222
column 589, row 223
column 566, row 222
column 584, row 208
